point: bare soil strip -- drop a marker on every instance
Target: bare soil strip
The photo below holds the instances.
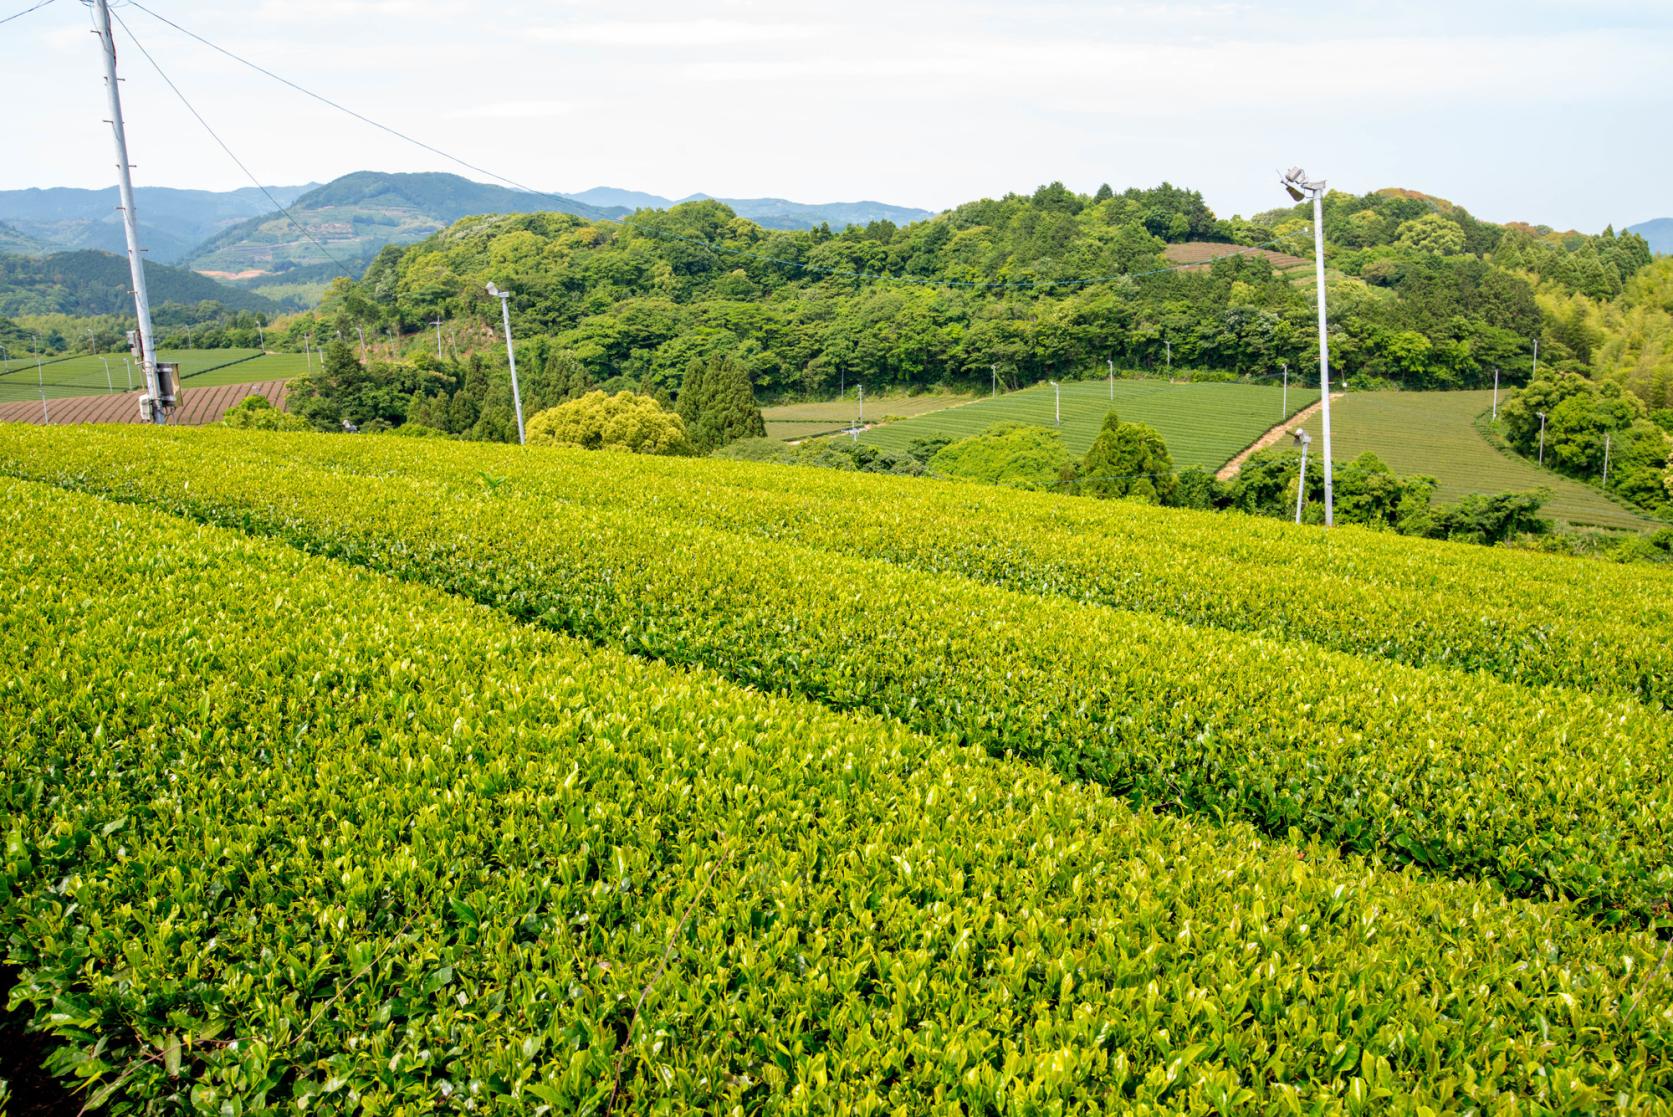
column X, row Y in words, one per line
column 1271, row 437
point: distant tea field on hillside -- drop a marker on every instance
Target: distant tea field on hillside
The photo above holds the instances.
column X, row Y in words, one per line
column 1434, row 433
column 86, row 375
column 1203, row 424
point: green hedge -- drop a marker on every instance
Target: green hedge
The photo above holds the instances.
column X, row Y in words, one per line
column 281, row 834
column 1550, row 792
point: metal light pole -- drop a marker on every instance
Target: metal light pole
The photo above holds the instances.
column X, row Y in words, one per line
column 1536, row 357
column 128, row 367
column 158, row 397
column 1495, row 393
column 1606, row 439
column 308, row 351
column 510, row 357
column 1306, row 440
column 1111, row 363
column 110, row 385
column 1300, row 187
column 361, row 331
column 861, row 391
column 994, row 369
column 1169, row 346
column 1284, row 408
column 436, row 322
column 40, row 380
column 261, row 337
column 1057, row 395
column 1542, row 438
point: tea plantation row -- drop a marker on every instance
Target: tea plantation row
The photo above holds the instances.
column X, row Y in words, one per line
column 1523, row 617
column 1547, row 791
column 280, row 834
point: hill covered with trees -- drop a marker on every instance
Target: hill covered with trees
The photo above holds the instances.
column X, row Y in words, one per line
column 1047, row 285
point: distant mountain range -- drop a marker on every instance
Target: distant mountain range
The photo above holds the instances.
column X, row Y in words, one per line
column 1658, row 233
column 769, row 213
column 238, row 235
column 172, row 222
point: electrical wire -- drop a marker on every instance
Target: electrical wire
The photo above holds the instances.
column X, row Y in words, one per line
column 779, row 261
column 341, row 267
column 26, row 11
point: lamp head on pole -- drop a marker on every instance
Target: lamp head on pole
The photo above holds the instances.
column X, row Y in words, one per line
column 1302, row 438
column 1299, row 186
column 497, row 293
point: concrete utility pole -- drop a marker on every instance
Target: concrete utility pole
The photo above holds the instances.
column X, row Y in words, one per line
column 1536, row 357
column 1169, row 345
column 1300, row 187
column 436, row 322
column 510, row 358
column 1057, row 393
column 1541, row 438
column 158, row 397
column 1495, row 394
column 40, row 380
column 362, row 332
column 1306, row 440
column 994, row 369
column 862, row 394
column 1284, row 407
column 1112, row 379
column 1606, row 440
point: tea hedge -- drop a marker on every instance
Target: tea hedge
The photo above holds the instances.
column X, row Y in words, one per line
column 282, row 834
column 1550, row 792
column 1523, row 617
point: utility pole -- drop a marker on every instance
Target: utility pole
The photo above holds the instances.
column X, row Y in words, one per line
column 510, row 358
column 128, row 366
column 110, row 385
column 1542, row 438
column 1057, row 392
column 1111, row 363
column 436, row 322
column 158, row 397
column 1169, row 346
column 1606, row 439
column 994, row 369
column 1300, row 186
column 862, row 393
column 40, row 380
column 362, row 332
column 1536, row 357
column 1495, row 393
column 261, row 337
column 1306, row 440
column 1284, row 407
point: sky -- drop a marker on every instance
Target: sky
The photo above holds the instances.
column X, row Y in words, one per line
column 1553, row 113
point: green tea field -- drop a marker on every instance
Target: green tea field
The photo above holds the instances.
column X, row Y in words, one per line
column 448, row 768
column 1434, row 433
column 87, row 375
column 1203, row 424
column 795, row 421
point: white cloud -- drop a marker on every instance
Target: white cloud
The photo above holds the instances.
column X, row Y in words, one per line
column 675, row 33
column 513, row 110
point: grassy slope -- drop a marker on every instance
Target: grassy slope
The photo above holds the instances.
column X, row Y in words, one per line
column 1204, row 424
column 1433, row 433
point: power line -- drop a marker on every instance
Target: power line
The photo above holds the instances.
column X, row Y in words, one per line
column 26, row 11
column 341, row 267
column 838, row 273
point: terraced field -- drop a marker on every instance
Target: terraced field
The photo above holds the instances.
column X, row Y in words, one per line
column 361, row 774
column 795, row 421
column 1203, row 424
column 1434, row 433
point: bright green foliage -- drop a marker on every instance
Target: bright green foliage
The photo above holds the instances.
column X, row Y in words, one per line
column 1012, row 454
column 624, row 421
column 300, row 836
column 718, row 405
column 1584, row 422
column 256, row 413
column 1538, row 788
column 1127, row 460
column 1431, row 233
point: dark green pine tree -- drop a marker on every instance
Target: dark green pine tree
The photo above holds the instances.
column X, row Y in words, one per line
column 718, row 404
column 1128, row 460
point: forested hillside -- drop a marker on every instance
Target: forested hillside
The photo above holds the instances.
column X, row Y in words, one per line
column 90, row 283
column 1051, row 284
